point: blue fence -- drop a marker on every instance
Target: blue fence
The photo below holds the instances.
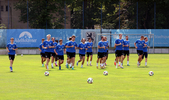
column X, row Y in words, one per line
column 32, row 37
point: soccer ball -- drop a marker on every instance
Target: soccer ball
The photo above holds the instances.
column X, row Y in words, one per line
column 105, row 73
column 90, row 80
column 151, row 73
column 46, row 73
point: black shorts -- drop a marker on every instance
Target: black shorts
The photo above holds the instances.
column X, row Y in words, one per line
column 67, row 54
column 106, row 53
column 89, row 53
column 42, row 55
column 139, row 52
column 81, row 55
column 47, row 55
column 118, row 53
column 11, row 57
column 126, row 52
column 71, row 55
column 122, row 52
column 60, row 57
column 145, row 54
column 100, row 55
column 53, row 54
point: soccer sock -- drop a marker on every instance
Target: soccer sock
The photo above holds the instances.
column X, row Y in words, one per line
column 145, row 63
column 70, row 65
column 66, row 62
column 115, row 61
column 59, row 67
column 52, row 64
column 56, row 62
column 10, row 67
column 47, row 67
column 87, row 62
column 127, row 62
column 119, row 63
column 90, row 62
column 81, row 66
column 97, row 64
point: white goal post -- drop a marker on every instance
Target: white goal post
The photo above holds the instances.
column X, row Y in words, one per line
column 132, row 38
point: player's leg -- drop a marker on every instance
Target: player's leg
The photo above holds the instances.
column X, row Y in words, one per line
column 83, row 59
column 128, row 58
column 48, row 60
column 98, row 57
column 52, row 59
column 87, row 58
column 11, row 58
column 117, row 58
column 73, row 60
column 91, row 57
column 146, row 56
column 56, row 58
column 107, row 53
column 80, row 56
column 122, row 56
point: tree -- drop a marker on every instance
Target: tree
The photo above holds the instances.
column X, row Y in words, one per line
column 42, row 13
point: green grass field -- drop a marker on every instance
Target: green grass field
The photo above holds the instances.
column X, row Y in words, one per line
column 28, row 81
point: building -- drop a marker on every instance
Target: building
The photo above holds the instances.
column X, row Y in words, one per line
column 10, row 16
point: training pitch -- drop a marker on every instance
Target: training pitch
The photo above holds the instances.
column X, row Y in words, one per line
column 28, row 81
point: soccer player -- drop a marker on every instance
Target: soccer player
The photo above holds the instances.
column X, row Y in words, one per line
column 67, row 52
column 72, row 45
column 89, row 50
column 42, row 53
column 126, row 46
column 56, row 58
column 106, row 50
column 11, row 48
column 59, row 50
column 101, row 53
column 119, row 44
column 140, row 44
column 82, row 50
column 53, row 53
column 145, row 52
column 47, row 45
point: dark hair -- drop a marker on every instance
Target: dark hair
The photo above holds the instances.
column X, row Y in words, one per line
column 102, row 37
column 145, row 38
column 43, row 39
column 73, row 36
column 60, row 40
column 142, row 36
column 70, row 38
column 56, row 41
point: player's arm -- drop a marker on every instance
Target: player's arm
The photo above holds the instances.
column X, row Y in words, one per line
column 135, row 45
column 15, row 48
column 7, row 49
column 40, row 50
column 116, row 43
column 101, row 47
column 55, row 51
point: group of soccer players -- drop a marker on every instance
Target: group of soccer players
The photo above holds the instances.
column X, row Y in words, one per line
column 51, row 49
column 122, row 49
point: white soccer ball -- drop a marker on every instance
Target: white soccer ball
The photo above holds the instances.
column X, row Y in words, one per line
column 46, row 73
column 105, row 73
column 90, row 80
column 151, row 73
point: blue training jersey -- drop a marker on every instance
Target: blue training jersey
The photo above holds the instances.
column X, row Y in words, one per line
column 89, row 46
column 101, row 44
column 145, row 47
column 47, row 44
column 106, row 45
column 42, row 50
column 60, row 49
column 118, row 41
column 54, row 44
column 83, row 46
column 66, row 44
column 126, row 42
column 72, row 49
column 140, row 44
column 10, row 48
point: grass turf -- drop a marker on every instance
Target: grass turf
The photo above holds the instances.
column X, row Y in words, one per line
column 29, row 82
